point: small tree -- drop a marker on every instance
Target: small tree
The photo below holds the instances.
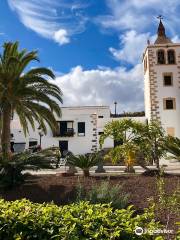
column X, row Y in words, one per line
column 152, row 142
column 128, row 132
column 146, row 142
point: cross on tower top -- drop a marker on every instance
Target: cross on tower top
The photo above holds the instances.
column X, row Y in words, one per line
column 161, row 33
column 160, row 17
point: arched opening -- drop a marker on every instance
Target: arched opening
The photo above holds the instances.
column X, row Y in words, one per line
column 171, row 57
column 161, row 57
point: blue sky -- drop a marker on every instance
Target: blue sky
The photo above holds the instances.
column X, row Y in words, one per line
column 94, row 46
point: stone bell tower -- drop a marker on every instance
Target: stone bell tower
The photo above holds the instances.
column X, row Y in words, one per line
column 161, row 62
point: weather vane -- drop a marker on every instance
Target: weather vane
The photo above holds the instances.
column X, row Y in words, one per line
column 160, row 17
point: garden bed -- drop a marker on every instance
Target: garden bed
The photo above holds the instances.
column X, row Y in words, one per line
column 61, row 190
column 47, row 188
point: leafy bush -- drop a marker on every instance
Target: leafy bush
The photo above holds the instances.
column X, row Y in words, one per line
column 21, row 220
column 167, row 205
column 85, row 162
column 11, row 172
column 104, row 193
column 137, row 138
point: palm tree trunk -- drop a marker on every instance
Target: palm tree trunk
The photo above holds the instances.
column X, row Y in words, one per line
column 86, row 172
column 0, row 131
column 6, row 133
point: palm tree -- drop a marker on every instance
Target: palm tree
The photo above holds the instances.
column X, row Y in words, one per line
column 0, row 129
column 85, row 162
column 26, row 92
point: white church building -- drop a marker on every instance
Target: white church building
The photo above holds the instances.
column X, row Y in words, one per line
column 80, row 127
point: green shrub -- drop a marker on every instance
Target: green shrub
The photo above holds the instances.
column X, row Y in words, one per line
column 11, row 173
column 85, row 162
column 20, row 220
column 167, row 205
column 104, row 193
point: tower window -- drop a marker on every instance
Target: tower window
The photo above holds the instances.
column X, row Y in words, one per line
column 171, row 57
column 161, row 57
column 169, row 103
column 168, row 79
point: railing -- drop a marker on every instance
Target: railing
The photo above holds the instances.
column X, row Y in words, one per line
column 68, row 133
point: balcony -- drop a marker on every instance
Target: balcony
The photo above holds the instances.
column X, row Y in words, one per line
column 66, row 129
column 68, row 133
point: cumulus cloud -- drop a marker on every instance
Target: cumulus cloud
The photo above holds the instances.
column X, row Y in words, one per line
column 61, row 36
column 132, row 45
column 138, row 15
column 53, row 19
column 135, row 21
column 103, row 86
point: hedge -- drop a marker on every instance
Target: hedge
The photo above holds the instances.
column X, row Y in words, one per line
column 23, row 220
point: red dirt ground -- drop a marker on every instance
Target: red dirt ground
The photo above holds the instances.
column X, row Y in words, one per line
column 61, row 190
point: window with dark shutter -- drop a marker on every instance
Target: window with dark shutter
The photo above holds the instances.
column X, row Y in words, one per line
column 169, row 103
column 168, row 80
column 81, row 128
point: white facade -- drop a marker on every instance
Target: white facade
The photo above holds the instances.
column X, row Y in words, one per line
column 162, row 83
column 94, row 118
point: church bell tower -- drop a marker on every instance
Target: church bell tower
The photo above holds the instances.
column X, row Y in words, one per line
column 161, row 62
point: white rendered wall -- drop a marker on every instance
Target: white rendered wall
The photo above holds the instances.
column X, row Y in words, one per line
column 76, row 144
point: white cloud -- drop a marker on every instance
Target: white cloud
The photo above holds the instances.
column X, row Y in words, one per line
column 135, row 22
column 176, row 39
column 139, row 15
column 103, row 86
column 132, row 45
column 53, row 19
column 61, row 36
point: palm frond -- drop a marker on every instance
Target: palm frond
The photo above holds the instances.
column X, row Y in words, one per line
column 83, row 161
column 28, row 92
column 41, row 71
column 173, row 147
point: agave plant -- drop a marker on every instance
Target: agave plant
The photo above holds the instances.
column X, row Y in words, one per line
column 173, row 147
column 11, row 173
column 85, row 162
